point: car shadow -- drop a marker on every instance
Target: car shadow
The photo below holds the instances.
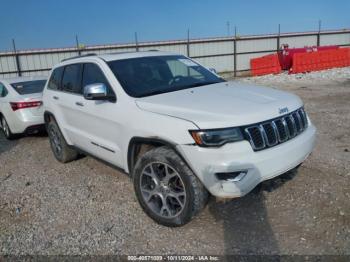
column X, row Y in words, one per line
column 246, row 226
column 5, row 144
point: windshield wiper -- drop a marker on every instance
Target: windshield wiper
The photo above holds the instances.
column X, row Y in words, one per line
column 157, row 92
column 202, row 84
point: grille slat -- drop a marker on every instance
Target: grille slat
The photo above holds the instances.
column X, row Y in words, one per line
column 292, row 130
column 303, row 117
column 281, row 129
column 297, row 122
column 276, row 131
column 256, row 137
column 269, row 134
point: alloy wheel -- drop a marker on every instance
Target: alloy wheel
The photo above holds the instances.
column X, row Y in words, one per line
column 162, row 189
column 55, row 140
column 5, row 127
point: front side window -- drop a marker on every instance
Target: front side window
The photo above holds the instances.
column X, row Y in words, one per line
column 29, row 87
column 71, row 78
column 55, row 79
column 92, row 74
column 145, row 76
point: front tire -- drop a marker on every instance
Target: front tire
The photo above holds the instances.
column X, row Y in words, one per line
column 6, row 129
column 61, row 150
column 167, row 189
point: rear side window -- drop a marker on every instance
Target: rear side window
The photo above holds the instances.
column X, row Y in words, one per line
column 55, row 79
column 29, row 87
column 71, row 78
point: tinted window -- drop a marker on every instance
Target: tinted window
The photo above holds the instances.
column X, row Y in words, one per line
column 29, row 87
column 92, row 74
column 3, row 90
column 55, row 79
column 146, row 76
column 71, row 78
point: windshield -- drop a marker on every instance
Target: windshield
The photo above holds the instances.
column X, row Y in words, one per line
column 29, row 87
column 145, row 76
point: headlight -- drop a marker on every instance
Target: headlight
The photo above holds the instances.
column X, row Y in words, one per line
column 216, row 137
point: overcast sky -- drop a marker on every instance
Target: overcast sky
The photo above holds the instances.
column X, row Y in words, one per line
column 49, row 23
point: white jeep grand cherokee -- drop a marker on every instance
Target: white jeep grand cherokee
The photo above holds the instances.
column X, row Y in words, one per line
column 178, row 129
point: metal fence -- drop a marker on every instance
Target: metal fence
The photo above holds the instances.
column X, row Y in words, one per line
column 225, row 54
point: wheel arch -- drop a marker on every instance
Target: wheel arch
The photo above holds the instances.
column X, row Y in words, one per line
column 50, row 116
column 137, row 144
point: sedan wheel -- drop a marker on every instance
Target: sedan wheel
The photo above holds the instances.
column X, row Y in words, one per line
column 5, row 128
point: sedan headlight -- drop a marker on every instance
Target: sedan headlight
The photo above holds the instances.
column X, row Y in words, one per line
column 216, row 137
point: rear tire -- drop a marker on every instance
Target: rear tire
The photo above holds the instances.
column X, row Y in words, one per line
column 167, row 189
column 61, row 150
column 6, row 129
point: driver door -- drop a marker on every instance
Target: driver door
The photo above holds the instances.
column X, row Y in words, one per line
column 98, row 122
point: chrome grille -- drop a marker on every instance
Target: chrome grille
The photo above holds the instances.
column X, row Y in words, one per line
column 276, row 131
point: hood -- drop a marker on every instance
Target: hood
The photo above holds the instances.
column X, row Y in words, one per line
column 225, row 104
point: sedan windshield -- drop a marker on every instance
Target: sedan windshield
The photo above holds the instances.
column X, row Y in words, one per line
column 145, row 76
column 29, row 87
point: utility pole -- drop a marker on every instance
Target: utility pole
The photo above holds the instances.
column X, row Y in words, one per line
column 235, row 54
column 77, row 44
column 319, row 32
column 228, row 28
column 279, row 37
column 16, row 58
column 136, row 42
column 188, row 42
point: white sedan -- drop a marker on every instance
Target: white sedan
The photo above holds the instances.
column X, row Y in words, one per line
column 21, row 108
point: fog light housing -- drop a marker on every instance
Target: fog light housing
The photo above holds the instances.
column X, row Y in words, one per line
column 231, row 176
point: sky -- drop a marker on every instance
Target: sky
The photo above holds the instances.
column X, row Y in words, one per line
column 54, row 23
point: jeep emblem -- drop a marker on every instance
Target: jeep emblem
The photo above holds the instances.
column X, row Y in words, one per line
column 283, row 110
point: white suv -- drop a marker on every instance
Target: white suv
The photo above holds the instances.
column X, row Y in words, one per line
column 177, row 128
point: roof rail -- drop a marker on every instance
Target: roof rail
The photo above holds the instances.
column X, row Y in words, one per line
column 74, row 57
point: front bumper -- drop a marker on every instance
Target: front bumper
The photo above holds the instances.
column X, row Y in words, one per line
column 260, row 166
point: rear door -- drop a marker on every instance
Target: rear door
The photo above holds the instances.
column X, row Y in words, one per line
column 69, row 100
column 64, row 89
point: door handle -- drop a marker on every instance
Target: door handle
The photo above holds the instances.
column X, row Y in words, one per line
column 55, row 97
column 79, row 104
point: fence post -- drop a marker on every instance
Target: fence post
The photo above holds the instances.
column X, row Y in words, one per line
column 235, row 53
column 18, row 65
column 188, row 42
column 279, row 37
column 77, row 43
column 136, row 42
column 319, row 33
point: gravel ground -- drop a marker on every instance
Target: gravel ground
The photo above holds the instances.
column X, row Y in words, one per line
column 86, row 207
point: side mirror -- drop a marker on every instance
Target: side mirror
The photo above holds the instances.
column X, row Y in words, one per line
column 96, row 91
